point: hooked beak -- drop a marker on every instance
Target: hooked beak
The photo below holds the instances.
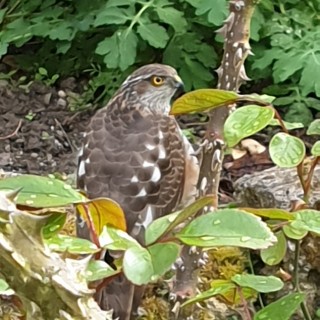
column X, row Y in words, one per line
column 179, row 86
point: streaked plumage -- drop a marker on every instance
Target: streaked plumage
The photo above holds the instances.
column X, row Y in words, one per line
column 135, row 153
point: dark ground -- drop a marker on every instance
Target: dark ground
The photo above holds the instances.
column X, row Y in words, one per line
column 48, row 133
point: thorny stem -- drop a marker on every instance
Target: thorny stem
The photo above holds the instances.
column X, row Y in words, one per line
column 231, row 74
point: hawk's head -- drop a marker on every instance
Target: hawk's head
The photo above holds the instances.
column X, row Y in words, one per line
column 154, row 85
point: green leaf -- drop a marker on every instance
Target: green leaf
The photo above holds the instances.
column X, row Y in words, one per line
column 314, row 127
column 3, row 48
column 98, row 270
column 307, row 220
column 112, row 15
column 294, row 233
column 41, row 192
column 116, row 239
column 299, row 111
column 308, row 82
column 64, row 243
column 119, row 50
column 262, row 284
column 221, row 228
column 142, row 265
column 274, row 254
column 286, row 151
column 5, row 289
column 172, row 17
column 216, row 10
column 223, row 287
column 154, row 34
column 245, row 122
column 54, row 224
column 202, row 100
column 288, row 125
column 271, row 213
column 168, row 222
column 285, row 306
column 315, row 151
column 163, row 255
column 137, row 265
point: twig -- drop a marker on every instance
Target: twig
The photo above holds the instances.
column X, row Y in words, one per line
column 13, row 133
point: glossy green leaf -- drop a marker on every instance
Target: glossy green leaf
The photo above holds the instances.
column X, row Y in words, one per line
column 286, row 151
column 98, row 269
column 224, row 286
column 294, row 233
column 142, row 265
column 221, row 228
column 167, row 223
column 41, row 192
column 262, row 284
column 5, row 289
column 288, row 125
column 274, row 254
column 281, row 309
column 272, row 213
column 245, row 122
column 116, row 239
column 314, row 127
column 55, row 223
column 308, row 220
column 203, row 100
column 163, row 255
column 315, row 151
column 64, row 243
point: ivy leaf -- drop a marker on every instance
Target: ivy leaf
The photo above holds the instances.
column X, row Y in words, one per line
column 286, row 151
column 287, row 305
column 172, row 17
column 119, row 50
column 154, row 34
column 245, row 122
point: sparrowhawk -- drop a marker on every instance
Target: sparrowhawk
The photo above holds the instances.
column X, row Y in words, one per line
column 135, row 153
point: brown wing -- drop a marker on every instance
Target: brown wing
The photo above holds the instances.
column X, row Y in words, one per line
column 137, row 160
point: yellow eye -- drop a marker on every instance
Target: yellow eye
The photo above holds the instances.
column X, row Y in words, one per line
column 157, row 81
